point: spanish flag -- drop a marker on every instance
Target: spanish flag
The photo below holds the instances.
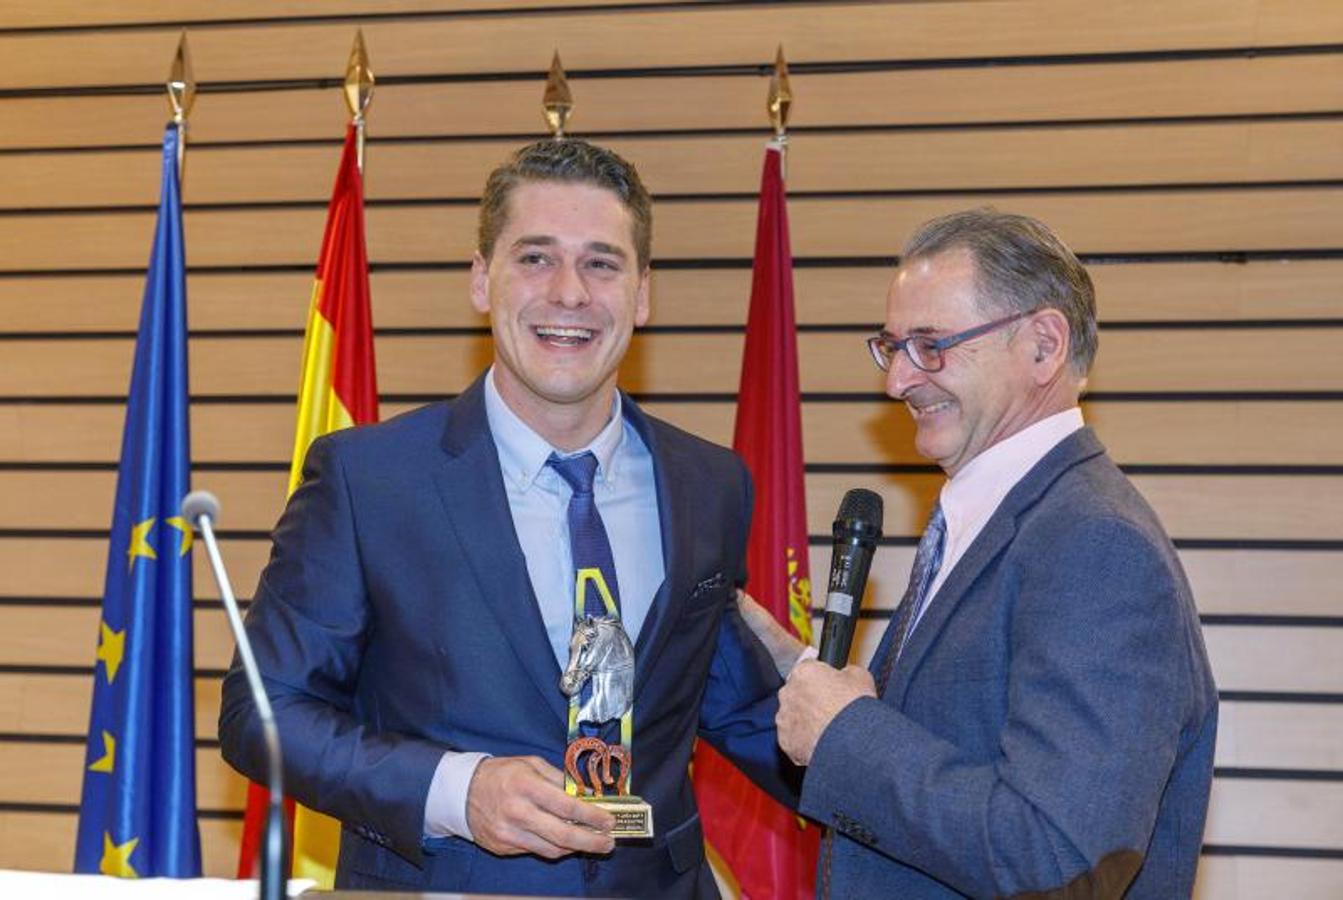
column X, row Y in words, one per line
column 338, row 389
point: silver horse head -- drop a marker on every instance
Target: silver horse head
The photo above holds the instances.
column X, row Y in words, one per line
column 600, row 650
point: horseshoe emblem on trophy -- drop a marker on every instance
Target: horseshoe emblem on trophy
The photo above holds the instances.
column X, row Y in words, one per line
column 599, row 757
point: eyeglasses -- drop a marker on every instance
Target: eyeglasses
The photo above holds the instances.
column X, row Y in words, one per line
column 926, row 352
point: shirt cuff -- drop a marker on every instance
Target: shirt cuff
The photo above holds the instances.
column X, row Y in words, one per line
column 445, row 808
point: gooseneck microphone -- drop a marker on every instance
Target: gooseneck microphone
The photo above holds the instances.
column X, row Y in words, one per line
column 857, row 529
column 201, row 509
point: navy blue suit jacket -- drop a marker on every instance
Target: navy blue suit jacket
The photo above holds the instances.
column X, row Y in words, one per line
column 1051, row 721
column 396, row 620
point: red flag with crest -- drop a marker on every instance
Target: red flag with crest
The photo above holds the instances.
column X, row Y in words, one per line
column 769, row 849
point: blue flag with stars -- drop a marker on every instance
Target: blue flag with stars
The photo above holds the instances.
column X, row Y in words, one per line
column 137, row 813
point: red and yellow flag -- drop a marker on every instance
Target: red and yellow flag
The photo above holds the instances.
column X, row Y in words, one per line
column 338, row 389
column 770, row 851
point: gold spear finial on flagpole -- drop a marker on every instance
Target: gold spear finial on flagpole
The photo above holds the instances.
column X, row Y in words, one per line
column 181, row 95
column 780, row 97
column 359, row 83
column 779, row 105
column 557, row 102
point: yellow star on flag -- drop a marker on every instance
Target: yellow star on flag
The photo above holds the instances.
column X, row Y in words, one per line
column 140, row 542
column 109, row 757
column 117, row 857
column 183, row 526
column 111, row 646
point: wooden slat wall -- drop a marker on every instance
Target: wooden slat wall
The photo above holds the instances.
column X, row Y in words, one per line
column 1192, row 151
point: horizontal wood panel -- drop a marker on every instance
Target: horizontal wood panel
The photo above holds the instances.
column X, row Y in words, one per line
column 1254, row 878
column 878, row 432
column 67, row 636
column 1266, row 582
column 219, row 787
column 1249, row 735
column 1266, row 507
column 881, row 432
column 1243, row 657
column 1280, row 582
column 408, row 299
column 1226, row 582
column 591, row 40
column 1254, row 813
column 61, row 774
column 74, row 567
column 1203, row 506
column 1248, row 658
column 42, row 703
column 1248, row 85
column 74, row 13
column 1280, row 736
column 1141, row 222
column 46, row 842
column 1194, row 360
column 1022, row 158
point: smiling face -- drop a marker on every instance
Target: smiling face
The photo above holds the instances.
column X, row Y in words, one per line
column 988, row 388
column 564, row 291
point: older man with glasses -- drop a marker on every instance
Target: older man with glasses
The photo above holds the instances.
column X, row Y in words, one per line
column 1039, row 717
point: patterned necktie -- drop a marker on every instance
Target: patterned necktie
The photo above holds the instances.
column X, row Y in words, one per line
column 927, row 560
column 590, row 549
column 588, row 543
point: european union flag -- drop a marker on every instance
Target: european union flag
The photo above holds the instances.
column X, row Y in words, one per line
column 137, row 815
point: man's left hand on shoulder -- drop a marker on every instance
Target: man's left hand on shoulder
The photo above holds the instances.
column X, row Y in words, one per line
column 808, row 703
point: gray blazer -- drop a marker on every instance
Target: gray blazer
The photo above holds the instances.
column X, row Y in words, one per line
column 1050, row 724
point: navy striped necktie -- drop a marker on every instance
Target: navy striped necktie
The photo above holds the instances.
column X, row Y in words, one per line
column 927, row 560
column 589, row 545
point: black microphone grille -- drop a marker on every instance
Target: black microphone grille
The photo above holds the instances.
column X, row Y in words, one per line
column 864, row 505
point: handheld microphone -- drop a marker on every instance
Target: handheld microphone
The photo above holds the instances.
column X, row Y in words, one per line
column 857, row 529
column 201, row 509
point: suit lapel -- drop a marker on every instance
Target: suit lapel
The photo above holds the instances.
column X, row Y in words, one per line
column 675, row 523
column 471, row 487
column 995, row 536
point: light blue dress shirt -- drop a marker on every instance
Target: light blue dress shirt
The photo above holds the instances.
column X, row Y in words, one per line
column 538, row 499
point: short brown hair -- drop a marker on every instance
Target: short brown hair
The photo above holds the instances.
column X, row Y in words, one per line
column 573, row 161
column 1020, row 265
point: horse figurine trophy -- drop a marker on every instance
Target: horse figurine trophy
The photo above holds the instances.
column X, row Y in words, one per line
column 600, row 654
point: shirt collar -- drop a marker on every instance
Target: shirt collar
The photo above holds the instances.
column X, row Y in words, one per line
column 973, row 494
column 523, row 452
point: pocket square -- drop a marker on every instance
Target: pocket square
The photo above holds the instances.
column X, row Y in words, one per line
column 716, row 580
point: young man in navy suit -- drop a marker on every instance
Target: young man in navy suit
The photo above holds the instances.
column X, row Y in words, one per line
column 1039, row 718
column 418, row 606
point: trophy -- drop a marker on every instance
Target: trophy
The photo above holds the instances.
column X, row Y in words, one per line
column 601, row 655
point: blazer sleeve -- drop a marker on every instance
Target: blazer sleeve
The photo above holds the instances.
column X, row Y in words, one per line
column 741, row 699
column 308, row 624
column 1099, row 685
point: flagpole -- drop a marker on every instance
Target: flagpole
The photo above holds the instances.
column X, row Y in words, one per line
column 558, row 101
column 181, row 88
column 771, row 852
column 359, row 84
column 779, row 104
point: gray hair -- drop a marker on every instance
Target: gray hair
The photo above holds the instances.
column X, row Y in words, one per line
column 575, row 162
column 1020, row 265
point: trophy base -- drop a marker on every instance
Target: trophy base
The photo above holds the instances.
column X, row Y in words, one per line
column 634, row 817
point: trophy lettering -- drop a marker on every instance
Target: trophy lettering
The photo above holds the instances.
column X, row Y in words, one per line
column 601, row 655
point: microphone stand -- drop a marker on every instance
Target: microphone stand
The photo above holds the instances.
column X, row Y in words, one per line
column 201, row 508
